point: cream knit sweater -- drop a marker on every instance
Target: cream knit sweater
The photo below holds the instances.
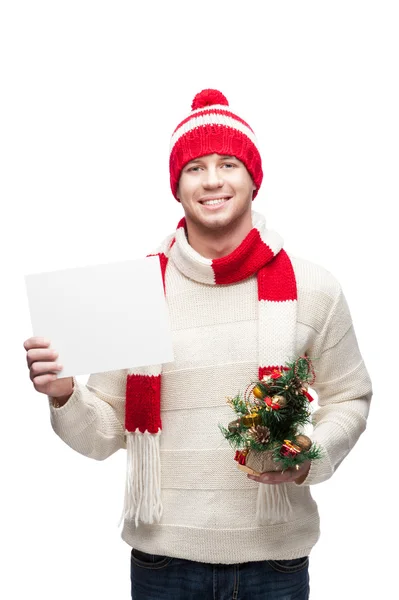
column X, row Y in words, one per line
column 207, row 500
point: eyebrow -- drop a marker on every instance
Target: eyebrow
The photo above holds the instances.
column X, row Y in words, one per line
column 224, row 157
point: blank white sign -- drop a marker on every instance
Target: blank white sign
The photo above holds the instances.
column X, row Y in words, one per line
column 102, row 317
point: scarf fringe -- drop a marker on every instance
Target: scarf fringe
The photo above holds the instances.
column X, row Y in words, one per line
column 273, row 504
column 143, row 478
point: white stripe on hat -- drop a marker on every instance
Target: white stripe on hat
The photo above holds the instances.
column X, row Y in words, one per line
column 212, row 119
column 212, row 107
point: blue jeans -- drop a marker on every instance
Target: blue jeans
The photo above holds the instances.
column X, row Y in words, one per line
column 156, row 577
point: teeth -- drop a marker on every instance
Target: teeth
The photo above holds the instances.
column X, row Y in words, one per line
column 220, row 201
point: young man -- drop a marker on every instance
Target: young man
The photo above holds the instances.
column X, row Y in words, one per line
column 239, row 306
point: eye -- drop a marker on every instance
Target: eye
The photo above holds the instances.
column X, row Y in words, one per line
column 229, row 165
column 192, row 169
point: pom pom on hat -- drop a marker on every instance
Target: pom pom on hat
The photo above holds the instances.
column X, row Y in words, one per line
column 212, row 128
column 209, row 98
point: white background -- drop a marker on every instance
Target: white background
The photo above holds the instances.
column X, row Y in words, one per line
column 91, row 93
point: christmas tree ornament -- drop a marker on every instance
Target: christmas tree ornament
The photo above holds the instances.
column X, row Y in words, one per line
column 289, row 449
column 276, row 374
column 260, row 433
column 304, row 442
column 234, row 426
column 253, row 418
column 308, row 396
column 267, row 435
column 241, row 456
column 258, row 392
column 276, row 402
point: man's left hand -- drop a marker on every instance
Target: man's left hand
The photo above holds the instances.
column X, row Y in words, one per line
column 287, row 476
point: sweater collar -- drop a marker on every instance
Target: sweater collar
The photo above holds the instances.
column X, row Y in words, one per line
column 258, row 248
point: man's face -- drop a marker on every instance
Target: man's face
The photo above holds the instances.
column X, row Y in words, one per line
column 215, row 191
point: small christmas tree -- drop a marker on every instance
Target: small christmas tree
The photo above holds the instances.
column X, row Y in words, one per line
column 271, row 415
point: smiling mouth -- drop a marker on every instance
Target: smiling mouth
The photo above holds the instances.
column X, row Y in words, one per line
column 214, row 201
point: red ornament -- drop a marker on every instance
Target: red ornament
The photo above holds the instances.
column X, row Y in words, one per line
column 289, row 449
column 308, row 396
column 271, row 403
column 276, row 374
column 240, row 456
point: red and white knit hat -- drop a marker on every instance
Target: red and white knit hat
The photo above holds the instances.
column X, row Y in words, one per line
column 212, row 128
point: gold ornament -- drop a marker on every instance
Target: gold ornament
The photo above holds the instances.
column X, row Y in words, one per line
column 251, row 420
column 279, row 400
column 234, row 426
column 258, row 393
column 304, row 442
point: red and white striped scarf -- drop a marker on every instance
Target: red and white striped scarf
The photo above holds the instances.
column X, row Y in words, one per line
column 259, row 253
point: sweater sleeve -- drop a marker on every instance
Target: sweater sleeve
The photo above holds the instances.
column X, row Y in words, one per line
column 92, row 421
column 344, row 391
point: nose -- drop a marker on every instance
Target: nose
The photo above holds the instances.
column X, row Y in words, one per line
column 212, row 178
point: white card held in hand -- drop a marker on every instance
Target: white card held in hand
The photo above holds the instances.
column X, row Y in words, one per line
column 102, row 317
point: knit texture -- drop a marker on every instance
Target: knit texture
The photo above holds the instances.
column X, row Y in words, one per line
column 207, row 502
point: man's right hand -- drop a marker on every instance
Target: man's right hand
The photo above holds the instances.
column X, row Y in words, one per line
column 42, row 368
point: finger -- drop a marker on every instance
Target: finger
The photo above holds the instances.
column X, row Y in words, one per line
column 275, row 478
column 41, row 382
column 41, row 368
column 286, row 476
column 40, row 355
column 36, row 342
